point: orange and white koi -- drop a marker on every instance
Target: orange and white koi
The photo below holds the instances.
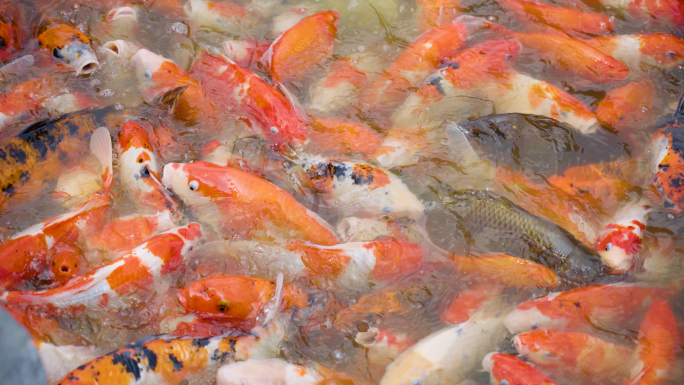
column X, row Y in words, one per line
column 506, row 270
column 66, row 262
column 465, row 303
column 658, row 343
column 235, row 298
column 271, row 371
column 619, row 242
column 139, row 170
column 572, row 21
column 121, row 21
column 122, row 50
column 419, row 60
column 508, row 369
column 242, row 203
column 136, row 273
column 340, row 137
column 343, row 85
column 24, row 99
column 628, row 107
column 69, row 45
column 432, row 13
column 576, row 356
column 667, row 164
column 671, row 11
column 641, row 51
column 381, row 303
column 360, row 189
column 302, row 47
column 223, row 16
column 584, row 309
column 58, row 361
column 383, row 345
column 574, row 56
column 245, row 53
column 11, row 38
column 266, row 110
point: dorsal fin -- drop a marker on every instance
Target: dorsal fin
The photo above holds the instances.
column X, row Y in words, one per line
column 101, row 147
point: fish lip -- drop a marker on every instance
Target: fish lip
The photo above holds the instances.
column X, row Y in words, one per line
column 120, row 48
column 120, row 13
column 488, row 362
column 167, row 171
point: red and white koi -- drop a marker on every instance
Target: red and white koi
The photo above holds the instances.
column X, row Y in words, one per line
column 576, row 356
column 135, row 274
column 342, row 86
column 121, row 21
column 667, row 164
column 619, row 242
column 507, row 369
column 671, row 11
column 69, row 45
column 641, row 51
column 58, row 361
column 302, row 47
column 66, row 262
column 467, row 302
column 245, row 53
column 628, row 107
column 584, row 309
column 242, row 203
column 383, row 345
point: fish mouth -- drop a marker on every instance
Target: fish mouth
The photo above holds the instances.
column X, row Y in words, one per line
column 122, row 13
column 120, row 48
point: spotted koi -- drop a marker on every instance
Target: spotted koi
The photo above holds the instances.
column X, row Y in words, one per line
column 11, row 38
column 667, row 164
column 465, row 303
column 68, row 45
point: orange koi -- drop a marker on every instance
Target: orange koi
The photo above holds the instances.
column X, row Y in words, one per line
column 66, row 262
column 343, row 85
column 69, row 45
column 224, row 16
column 571, row 21
column 667, row 164
column 658, row 344
column 245, row 53
column 379, row 303
column 619, row 242
column 638, row 52
column 11, row 38
column 576, row 356
column 671, row 11
column 302, row 47
column 139, row 170
column 627, row 107
column 508, row 369
column 241, row 202
column 266, row 110
column 584, row 309
column 507, row 270
column 108, row 286
column 383, row 345
column 420, row 59
column 467, row 302
column 24, row 99
column 432, row 13
column 235, row 298
column 191, row 325
column 123, row 234
column 342, row 137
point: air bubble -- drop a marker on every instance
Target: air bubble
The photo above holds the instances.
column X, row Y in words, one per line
column 337, row 355
column 180, row 28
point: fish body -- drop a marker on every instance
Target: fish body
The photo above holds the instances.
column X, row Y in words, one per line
column 628, row 107
column 383, row 345
column 619, row 242
column 432, row 13
column 68, row 45
column 584, row 309
column 223, row 16
column 245, row 53
column 342, row 137
column 24, row 99
column 58, row 360
column 266, row 110
column 467, row 302
column 576, row 356
column 135, row 273
column 10, row 29
column 642, row 51
column 508, row 369
column 271, row 371
column 242, row 203
column 506, row 270
column 123, row 234
column 670, row 11
column 302, row 47
column 667, row 165
column 516, row 231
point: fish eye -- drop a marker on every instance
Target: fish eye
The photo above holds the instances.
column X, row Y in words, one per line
column 508, row 57
column 609, row 246
column 223, row 306
column 671, row 54
column 140, row 160
column 3, row 43
column 56, row 53
column 274, row 130
column 148, row 74
column 193, row 185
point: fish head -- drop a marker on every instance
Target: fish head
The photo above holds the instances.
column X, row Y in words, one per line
column 65, row 264
column 665, row 50
column 226, row 297
column 618, row 245
column 68, row 45
column 197, row 183
column 491, row 58
column 667, row 165
column 120, row 49
column 549, row 347
column 135, row 150
column 158, row 75
column 125, row 14
column 582, row 265
column 534, row 314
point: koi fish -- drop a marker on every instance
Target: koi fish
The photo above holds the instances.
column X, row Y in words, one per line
column 302, row 47
column 242, row 203
column 235, row 298
column 68, row 45
column 139, row 171
column 245, row 53
column 123, row 234
column 466, row 303
column 574, row 56
column 359, row 189
column 584, row 309
column 380, row 303
column 432, row 13
column 121, row 49
column 136, row 273
column 121, row 21
column 641, row 51
column 619, row 242
column 24, row 99
column 667, row 164
column 266, row 110
column 383, row 345
column 10, row 34
column 670, row 11
column 58, row 361
column 506, row 270
column 420, row 59
column 343, row 85
column 226, row 17
column 627, row 107
column 658, row 343
column 342, row 137
column 571, row 21
column 66, row 262
column 508, row 369
column 576, row 356
column 271, row 371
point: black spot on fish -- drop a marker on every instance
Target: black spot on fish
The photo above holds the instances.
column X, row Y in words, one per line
column 40, row 146
column 437, row 82
column 177, row 365
column 81, row 367
column 676, row 182
column 219, row 355
column 577, row 304
column 200, row 342
column 62, row 156
column 453, row 65
column 3, row 154
column 73, row 128
column 339, row 170
column 130, row 365
column 9, row 190
column 17, row 154
column 362, row 174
